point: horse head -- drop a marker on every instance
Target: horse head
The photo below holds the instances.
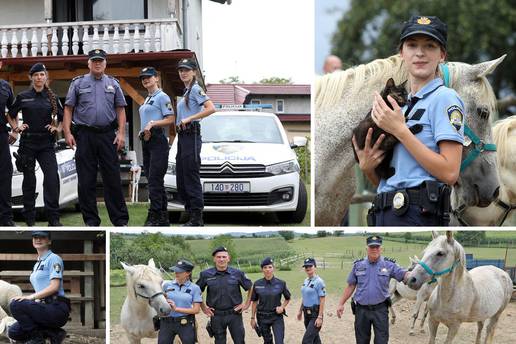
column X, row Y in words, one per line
column 478, row 181
column 144, row 285
column 504, row 135
column 442, row 256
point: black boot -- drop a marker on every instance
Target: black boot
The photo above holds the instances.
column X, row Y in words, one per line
column 152, row 219
column 54, row 223
column 163, row 219
column 37, row 338
column 195, row 219
column 31, row 222
column 56, row 336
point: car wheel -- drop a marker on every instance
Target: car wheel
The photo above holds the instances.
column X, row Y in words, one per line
column 298, row 215
column 174, row 216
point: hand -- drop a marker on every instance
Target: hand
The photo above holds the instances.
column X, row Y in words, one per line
column 299, row 315
column 279, row 310
column 209, row 311
column 51, row 128
column 22, row 127
column 340, row 311
column 184, row 122
column 172, row 304
column 369, row 157
column 70, row 141
column 253, row 323
column 21, row 298
column 318, row 322
column 119, row 141
column 146, row 135
column 241, row 307
column 12, row 137
column 390, row 120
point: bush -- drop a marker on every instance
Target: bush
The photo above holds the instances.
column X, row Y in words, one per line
column 303, row 157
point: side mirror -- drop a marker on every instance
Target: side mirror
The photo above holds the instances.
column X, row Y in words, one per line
column 298, row 141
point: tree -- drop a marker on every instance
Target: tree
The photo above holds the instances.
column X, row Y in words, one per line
column 226, row 241
column 276, row 80
column 232, row 80
column 322, row 234
column 338, row 233
column 470, row 237
column 407, row 236
column 370, row 29
column 287, row 235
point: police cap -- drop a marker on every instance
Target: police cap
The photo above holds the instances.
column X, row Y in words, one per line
column 309, row 262
column 182, row 265
column 219, row 249
column 37, row 67
column 97, row 54
column 187, row 63
column 41, row 234
column 267, row 261
column 374, row 240
column 148, row 71
column 430, row 26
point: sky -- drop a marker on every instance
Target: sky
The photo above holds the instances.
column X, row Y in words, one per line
column 257, row 39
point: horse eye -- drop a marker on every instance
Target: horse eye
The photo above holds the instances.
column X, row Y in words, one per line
column 141, row 286
column 440, row 254
column 483, row 112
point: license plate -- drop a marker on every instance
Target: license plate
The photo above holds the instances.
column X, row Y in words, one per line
column 227, row 187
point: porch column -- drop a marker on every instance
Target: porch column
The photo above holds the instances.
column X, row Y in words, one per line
column 48, row 11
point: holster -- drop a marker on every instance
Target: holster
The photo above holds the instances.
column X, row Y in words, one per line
column 388, row 302
column 371, row 217
column 445, row 206
column 209, row 329
column 353, row 306
column 191, row 129
column 156, row 322
column 258, row 330
column 24, row 163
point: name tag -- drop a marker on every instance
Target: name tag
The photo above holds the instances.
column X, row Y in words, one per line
column 85, row 90
column 110, row 89
column 27, row 100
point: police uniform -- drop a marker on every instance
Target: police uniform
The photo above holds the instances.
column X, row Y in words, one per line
column 184, row 296
column 412, row 196
column 6, row 172
column 223, row 294
column 37, row 143
column 94, row 103
column 312, row 290
column 155, row 151
column 372, row 294
column 189, row 144
column 267, row 293
column 37, row 319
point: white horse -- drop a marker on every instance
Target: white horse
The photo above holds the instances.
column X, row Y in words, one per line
column 460, row 296
column 145, row 299
column 342, row 100
column 399, row 290
column 7, row 292
column 504, row 135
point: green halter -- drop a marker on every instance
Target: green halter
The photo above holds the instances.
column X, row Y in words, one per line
column 434, row 274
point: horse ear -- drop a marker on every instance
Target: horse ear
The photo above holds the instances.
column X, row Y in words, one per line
column 449, row 237
column 482, row 69
column 434, row 234
column 129, row 268
column 151, row 263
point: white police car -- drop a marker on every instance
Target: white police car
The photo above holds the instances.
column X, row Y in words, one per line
column 247, row 164
column 67, row 178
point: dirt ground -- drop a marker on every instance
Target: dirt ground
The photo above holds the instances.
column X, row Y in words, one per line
column 74, row 339
column 341, row 330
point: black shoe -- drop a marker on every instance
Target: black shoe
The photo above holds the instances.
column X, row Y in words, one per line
column 163, row 220
column 152, row 219
column 54, row 223
column 30, row 222
column 36, row 339
column 56, row 336
column 195, row 220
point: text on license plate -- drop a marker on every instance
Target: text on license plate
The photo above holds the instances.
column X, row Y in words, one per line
column 227, row 187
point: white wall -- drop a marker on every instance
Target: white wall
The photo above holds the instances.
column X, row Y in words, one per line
column 22, row 12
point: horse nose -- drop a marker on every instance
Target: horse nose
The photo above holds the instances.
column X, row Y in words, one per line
column 484, row 197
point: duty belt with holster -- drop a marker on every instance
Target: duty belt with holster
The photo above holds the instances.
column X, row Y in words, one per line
column 36, row 135
column 184, row 320
column 192, row 128
column 432, row 198
column 153, row 131
column 225, row 312
column 311, row 312
column 95, row 129
column 57, row 298
column 386, row 303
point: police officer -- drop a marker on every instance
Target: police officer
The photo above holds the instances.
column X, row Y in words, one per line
column 194, row 106
column 223, row 297
column 155, row 114
column 185, row 298
column 267, row 307
column 369, row 279
column 42, row 114
column 6, row 138
column 95, row 102
column 428, row 163
column 42, row 314
column 313, row 292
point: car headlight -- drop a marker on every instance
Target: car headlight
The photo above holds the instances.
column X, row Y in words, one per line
column 283, row 167
column 171, row 169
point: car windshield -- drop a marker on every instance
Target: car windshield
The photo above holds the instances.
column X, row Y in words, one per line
column 240, row 128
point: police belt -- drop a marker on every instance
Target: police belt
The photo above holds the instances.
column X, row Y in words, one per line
column 98, row 130
column 374, row 307
column 154, row 132
column 36, row 134
column 225, row 312
column 311, row 311
column 267, row 314
column 192, row 128
column 183, row 320
column 56, row 298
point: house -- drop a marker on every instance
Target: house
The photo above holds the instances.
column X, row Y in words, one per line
column 291, row 103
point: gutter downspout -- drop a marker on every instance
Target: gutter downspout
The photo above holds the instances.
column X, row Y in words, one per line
column 185, row 4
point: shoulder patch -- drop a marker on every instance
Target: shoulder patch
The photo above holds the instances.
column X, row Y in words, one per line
column 112, row 77
column 169, row 106
column 78, row 77
column 201, row 93
column 57, row 268
column 392, row 260
column 456, row 117
column 358, row 260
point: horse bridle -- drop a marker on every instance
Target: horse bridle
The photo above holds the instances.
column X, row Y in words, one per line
column 434, row 274
column 507, row 208
column 148, row 297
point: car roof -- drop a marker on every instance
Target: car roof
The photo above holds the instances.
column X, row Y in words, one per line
column 245, row 113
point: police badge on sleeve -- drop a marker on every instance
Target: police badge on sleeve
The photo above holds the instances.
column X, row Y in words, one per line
column 57, row 268
column 456, row 117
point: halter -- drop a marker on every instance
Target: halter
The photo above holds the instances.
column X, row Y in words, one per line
column 478, row 145
column 148, row 297
column 434, row 274
column 507, row 209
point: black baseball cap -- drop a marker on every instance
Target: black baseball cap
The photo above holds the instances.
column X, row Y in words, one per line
column 374, row 240
column 41, row 234
column 37, row 67
column 219, row 249
column 97, row 54
column 309, row 262
column 267, row 261
column 425, row 25
column 148, row 71
column 182, row 265
column 187, row 63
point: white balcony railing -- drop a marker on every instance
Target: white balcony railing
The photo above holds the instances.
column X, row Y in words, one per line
column 115, row 37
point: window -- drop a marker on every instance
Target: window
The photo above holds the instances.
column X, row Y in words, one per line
column 93, row 10
column 280, row 105
column 256, row 101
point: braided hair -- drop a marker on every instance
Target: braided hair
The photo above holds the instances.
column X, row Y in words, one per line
column 52, row 97
column 187, row 95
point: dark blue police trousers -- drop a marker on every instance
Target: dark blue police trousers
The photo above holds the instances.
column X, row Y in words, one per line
column 188, row 165
column 378, row 318
column 274, row 322
column 311, row 335
column 233, row 322
column 35, row 316
column 96, row 150
column 169, row 329
column 155, row 164
column 6, row 175
column 413, row 217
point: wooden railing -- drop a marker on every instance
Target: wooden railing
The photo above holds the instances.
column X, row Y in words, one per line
column 73, row 38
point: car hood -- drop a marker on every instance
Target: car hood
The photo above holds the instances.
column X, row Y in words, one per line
column 242, row 153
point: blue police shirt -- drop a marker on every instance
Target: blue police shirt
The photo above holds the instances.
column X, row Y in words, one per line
column 268, row 293
column 48, row 267
column 372, row 279
column 156, row 107
column 196, row 99
column 6, row 101
column 441, row 113
column 184, row 295
column 223, row 287
column 312, row 289
column 95, row 100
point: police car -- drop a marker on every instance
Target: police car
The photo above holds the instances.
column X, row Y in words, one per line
column 67, row 178
column 248, row 165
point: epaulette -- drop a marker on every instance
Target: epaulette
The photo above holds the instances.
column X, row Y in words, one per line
column 358, row 260
column 78, row 77
column 112, row 77
column 392, row 260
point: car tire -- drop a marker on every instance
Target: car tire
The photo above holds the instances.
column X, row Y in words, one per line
column 298, row 215
column 174, row 216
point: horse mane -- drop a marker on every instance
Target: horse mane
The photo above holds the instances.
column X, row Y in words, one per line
column 141, row 272
column 501, row 138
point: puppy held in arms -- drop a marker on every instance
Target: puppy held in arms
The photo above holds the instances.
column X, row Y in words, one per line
column 399, row 93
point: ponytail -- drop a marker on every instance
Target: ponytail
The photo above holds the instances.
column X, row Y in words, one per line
column 187, row 95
